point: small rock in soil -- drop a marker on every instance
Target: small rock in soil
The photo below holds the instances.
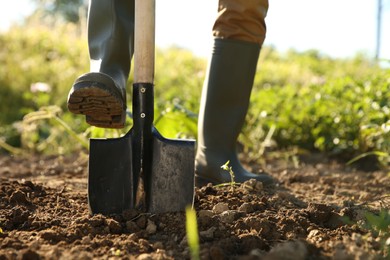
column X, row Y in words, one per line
column 246, row 207
column 19, row 197
column 208, row 234
column 132, row 227
column 141, row 221
column 19, row 215
column 151, row 228
column 97, row 220
column 252, row 185
column 86, row 240
column 229, row 216
column 251, row 242
column 114, row 226
column 52, row 236
column 319, row 213
column 205, row 213
column 289, row 250
column 220, row 207
column 29, row 254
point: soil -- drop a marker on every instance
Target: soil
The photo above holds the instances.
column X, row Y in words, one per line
column 315, row 211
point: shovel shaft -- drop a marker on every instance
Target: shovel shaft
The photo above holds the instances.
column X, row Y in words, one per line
column 144, row 52
column 144, row 40
column 143, row 108
column 142, row 140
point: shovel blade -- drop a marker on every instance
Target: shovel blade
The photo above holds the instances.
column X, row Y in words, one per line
column 110, row 179
column 172, row 174
column 112, row 182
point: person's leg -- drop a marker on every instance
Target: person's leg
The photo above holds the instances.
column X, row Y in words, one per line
column 101, row 93
column 239, row 33
column 241, row 20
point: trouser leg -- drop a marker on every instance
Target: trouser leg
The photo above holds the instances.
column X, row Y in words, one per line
column 241, row 20
column 111, row 37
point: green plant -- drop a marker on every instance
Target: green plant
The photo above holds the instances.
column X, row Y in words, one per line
column 229, row 169
column 328, row 105
column 43, row 130
column 379, row 225
column 378, row 154
column 192, row 233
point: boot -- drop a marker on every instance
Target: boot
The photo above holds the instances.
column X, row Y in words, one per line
column 100, row 95
column 224, row 104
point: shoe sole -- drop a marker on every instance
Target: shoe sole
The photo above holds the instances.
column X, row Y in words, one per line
column 101, row 107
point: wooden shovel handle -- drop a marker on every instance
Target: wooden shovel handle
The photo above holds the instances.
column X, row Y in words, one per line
column 144, row 42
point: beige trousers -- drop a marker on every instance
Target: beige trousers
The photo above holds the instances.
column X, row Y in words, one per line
column 241, row 20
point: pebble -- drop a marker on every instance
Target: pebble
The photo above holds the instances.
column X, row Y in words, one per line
column 313, row 233
column 131, row 226
column 96, row 220
column 114, row 226
column 18, row 197
column 208, row 234
column 229, row 216
column 246, row 208
column 145, row 257
column 29, row 254
column 220, row 207
column 85, row 240
column 158, row 245
column 151, row 228
column 205, row 213
column 141, row 221
column 252, row 185
column 294, row 250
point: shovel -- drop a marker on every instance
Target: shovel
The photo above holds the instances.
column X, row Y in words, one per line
column 141, row 170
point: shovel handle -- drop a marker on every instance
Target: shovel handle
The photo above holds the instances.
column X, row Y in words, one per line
column 144, row 42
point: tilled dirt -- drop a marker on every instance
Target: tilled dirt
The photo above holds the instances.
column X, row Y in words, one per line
column 315, row 211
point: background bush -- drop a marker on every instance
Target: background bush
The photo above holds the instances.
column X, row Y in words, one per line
column 305, row 100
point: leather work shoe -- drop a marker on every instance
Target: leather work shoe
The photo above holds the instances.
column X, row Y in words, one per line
column 100, row 99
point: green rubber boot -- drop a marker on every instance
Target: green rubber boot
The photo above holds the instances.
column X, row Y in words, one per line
column 224, row 104
column 100, row 95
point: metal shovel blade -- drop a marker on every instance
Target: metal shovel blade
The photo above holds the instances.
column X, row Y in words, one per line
column 172, row 174
column 113, row 180
column 110, row 180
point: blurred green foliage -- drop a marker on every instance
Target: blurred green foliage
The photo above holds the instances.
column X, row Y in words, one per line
column 68, row 10
column 337, row 106
column 379, row 225
column 305, row 100
column 38, row 54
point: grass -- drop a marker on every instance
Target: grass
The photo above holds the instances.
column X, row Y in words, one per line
column 379, row 225
column 229, row 169
column 192, row 233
